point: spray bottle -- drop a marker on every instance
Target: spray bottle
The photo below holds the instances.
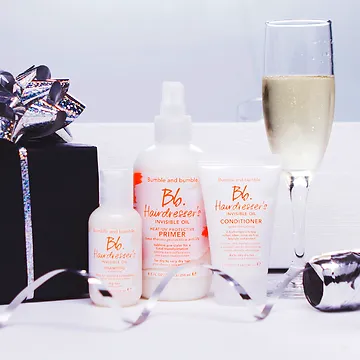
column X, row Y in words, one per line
column 167, row 195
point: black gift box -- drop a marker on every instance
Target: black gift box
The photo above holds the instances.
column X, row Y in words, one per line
column 64, row 192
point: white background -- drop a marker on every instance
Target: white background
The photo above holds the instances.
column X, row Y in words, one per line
column 193, row 330
column 117, row 52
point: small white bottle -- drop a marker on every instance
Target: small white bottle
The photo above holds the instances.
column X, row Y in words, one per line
column 115, row 250
column 169, row 200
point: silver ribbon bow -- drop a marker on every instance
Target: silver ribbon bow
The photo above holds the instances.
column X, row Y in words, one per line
column 32, row 106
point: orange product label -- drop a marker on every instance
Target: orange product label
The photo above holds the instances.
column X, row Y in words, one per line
column 174, row 223
column 241, row 217
column 113, row 258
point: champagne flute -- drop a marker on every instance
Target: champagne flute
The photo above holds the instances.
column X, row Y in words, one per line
column 298, row 95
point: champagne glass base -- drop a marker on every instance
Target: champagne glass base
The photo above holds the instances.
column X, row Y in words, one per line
column 294, row 290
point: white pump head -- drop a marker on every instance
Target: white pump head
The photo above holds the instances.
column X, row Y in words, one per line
column 173, row 99
column 173, row 125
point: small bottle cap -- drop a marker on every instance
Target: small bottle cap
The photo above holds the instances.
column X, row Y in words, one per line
column 116, row 188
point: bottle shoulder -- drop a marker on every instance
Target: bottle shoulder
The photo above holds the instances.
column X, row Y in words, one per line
column 160, row 156
column 180, row 148
column 105, row 213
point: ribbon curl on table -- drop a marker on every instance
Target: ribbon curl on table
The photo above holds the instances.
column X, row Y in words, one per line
column 111, row 300
column 34, row 106
column 331, row 283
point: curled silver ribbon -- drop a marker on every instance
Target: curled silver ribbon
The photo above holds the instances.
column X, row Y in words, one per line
column 332, row 281
column 257, row 313
column 333, row 272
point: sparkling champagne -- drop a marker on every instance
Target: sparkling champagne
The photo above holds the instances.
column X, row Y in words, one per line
column 298, row 113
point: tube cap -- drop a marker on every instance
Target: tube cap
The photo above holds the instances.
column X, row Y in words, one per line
column 116, row 188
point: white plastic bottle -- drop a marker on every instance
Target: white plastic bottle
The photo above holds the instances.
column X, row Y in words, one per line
column 115, row 250
column 168, row 198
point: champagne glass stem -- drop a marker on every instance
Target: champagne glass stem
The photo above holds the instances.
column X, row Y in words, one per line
column 299, row 189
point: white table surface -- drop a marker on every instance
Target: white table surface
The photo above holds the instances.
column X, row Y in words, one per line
column 188, row 330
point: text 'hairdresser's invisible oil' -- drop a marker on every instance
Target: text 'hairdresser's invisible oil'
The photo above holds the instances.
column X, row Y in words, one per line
column 169, row 200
